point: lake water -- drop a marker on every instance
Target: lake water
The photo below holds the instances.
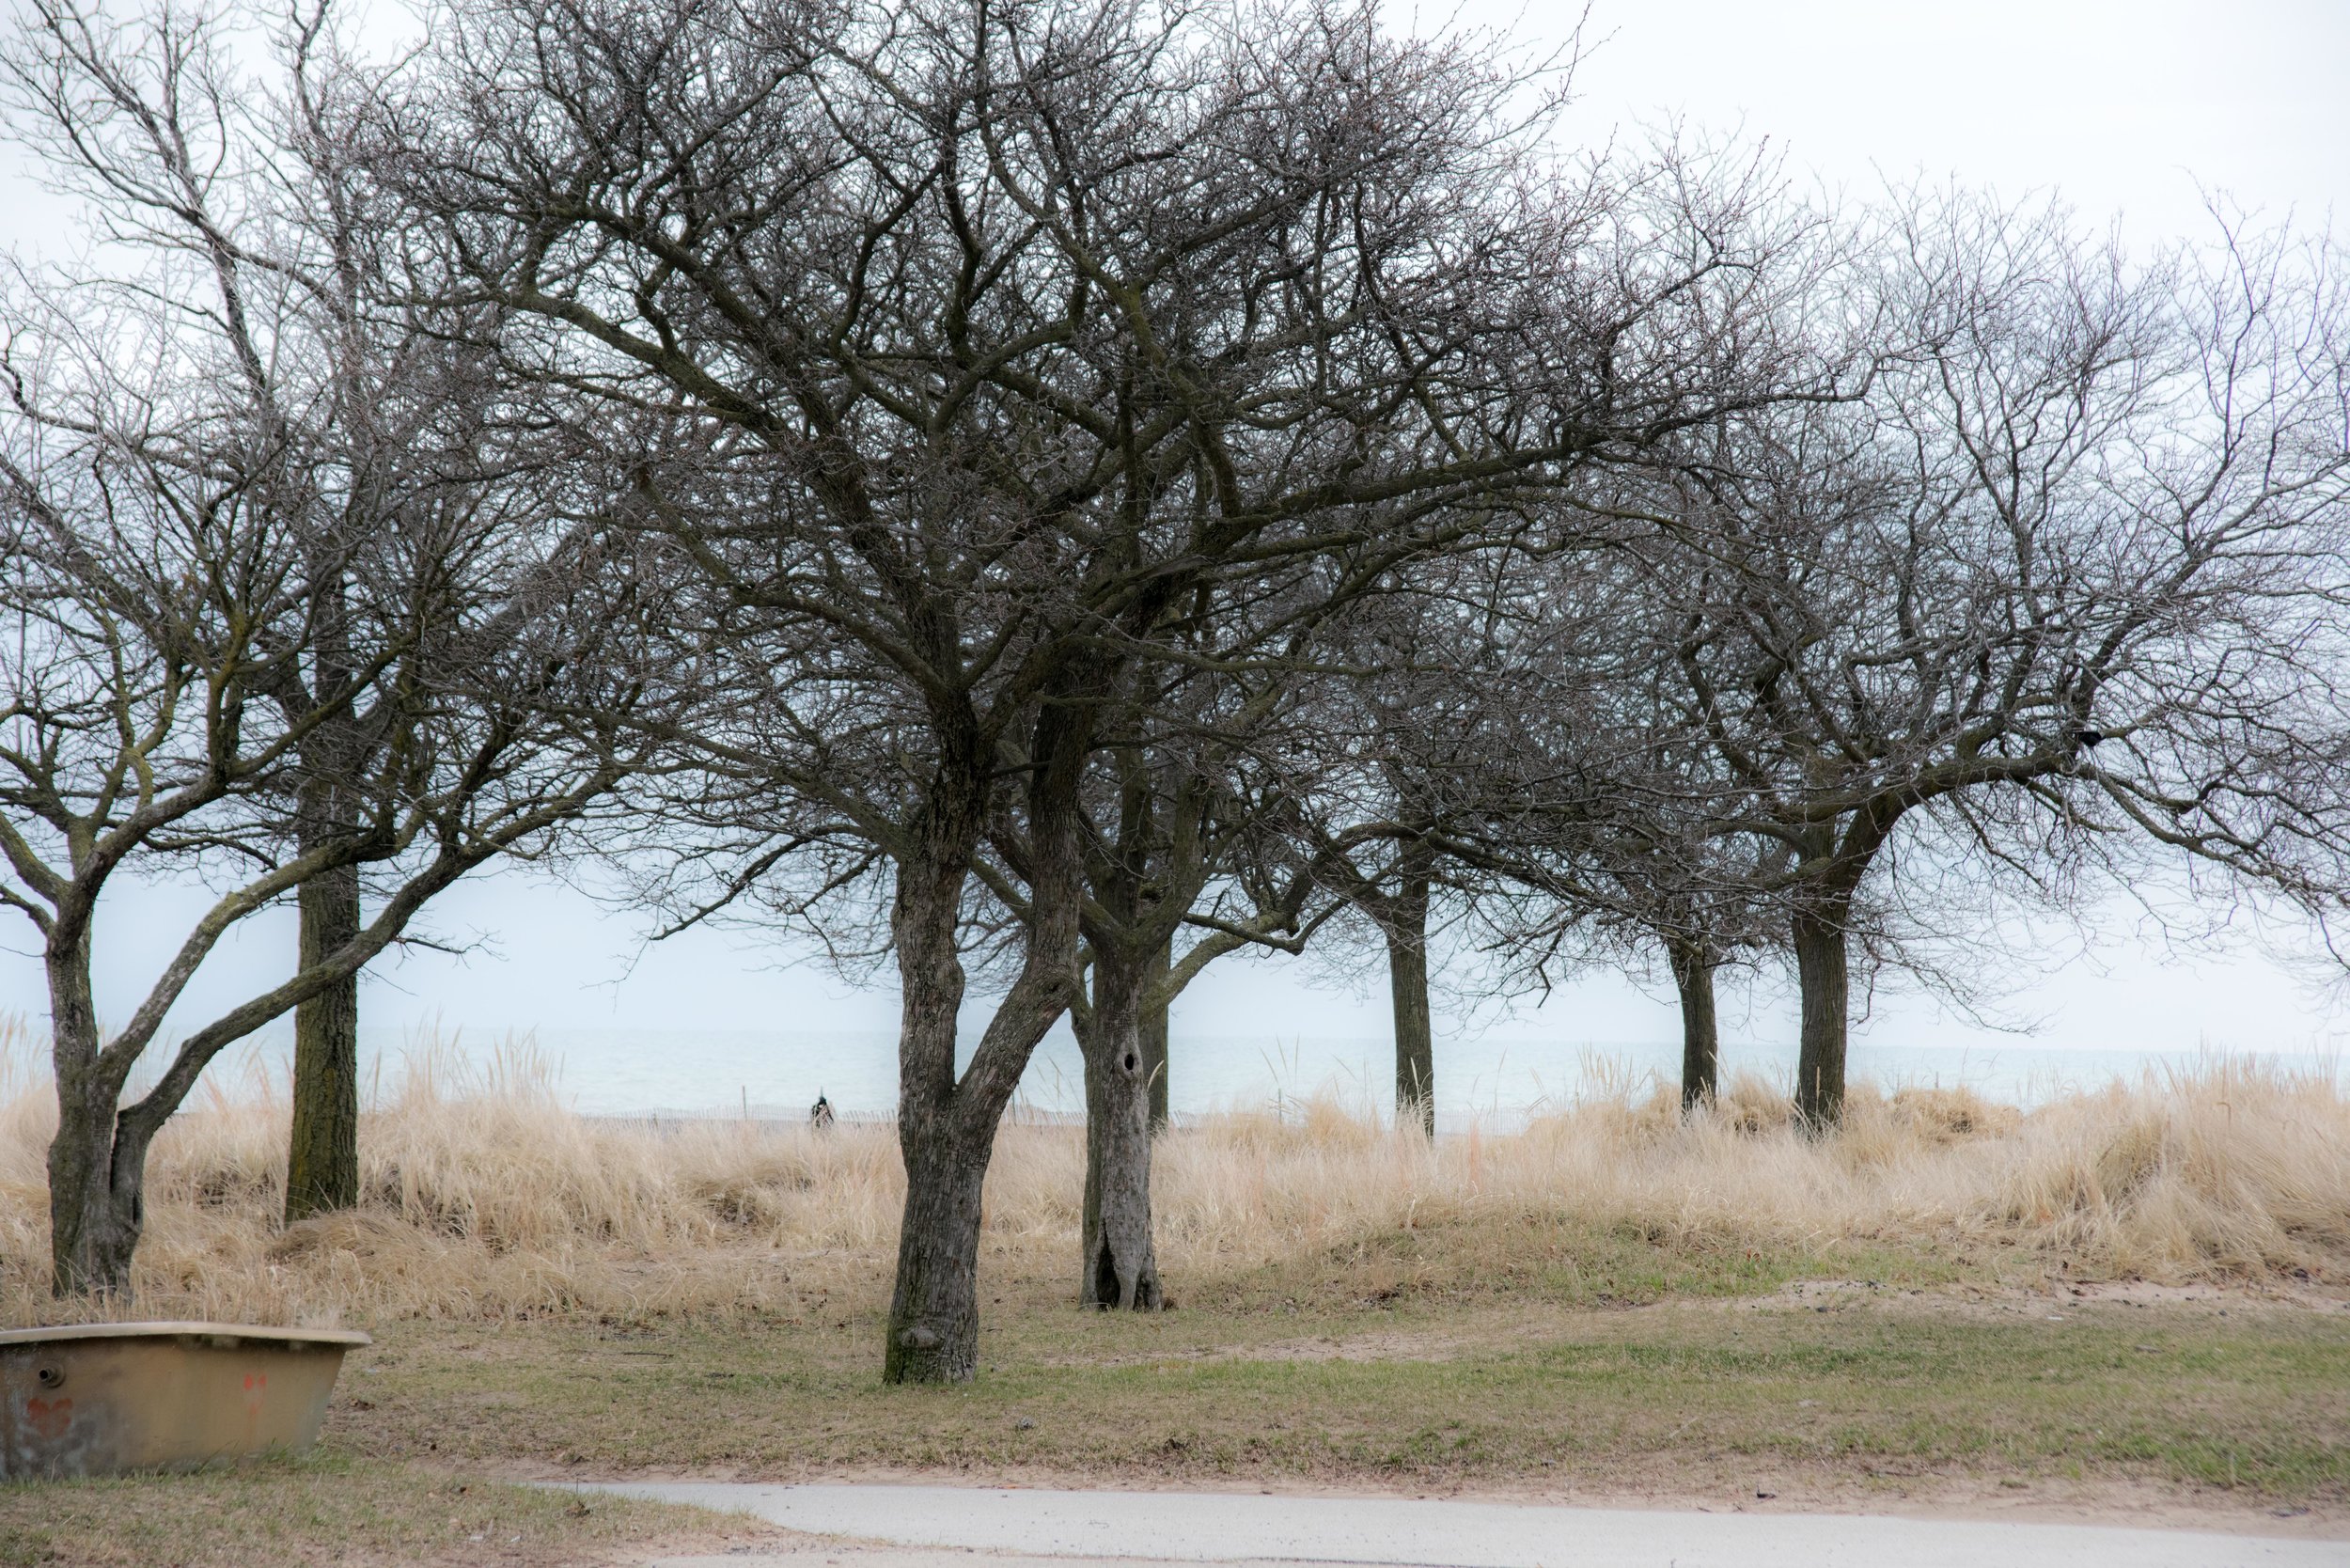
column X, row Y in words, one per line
column 1490, row 1079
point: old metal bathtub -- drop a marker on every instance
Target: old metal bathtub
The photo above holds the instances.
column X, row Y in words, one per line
column 96, row 1399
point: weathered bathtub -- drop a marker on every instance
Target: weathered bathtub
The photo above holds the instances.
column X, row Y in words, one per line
column 99, row 1398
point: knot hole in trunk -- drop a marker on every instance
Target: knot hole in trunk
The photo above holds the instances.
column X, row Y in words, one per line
column 1132, row 1061
column 1107, row 1291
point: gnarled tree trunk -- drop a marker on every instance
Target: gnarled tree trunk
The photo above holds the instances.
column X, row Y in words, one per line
column 1119, row 1267
column 97, row 1208
column 947, row 1123
column 1406, row 929
column 323, row 1157
column 1700, row 1038
column 1823, row 971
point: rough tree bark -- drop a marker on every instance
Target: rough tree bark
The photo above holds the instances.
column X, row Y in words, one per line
column 1700, row 1037
column 322, row 1155
column 1120, row 1269
column 946, row 1125
column 1406, row 929
column 95, row 1204
column 1823, row 970
column 323, row 1151
column 1153, row 1030
column 935, row 1311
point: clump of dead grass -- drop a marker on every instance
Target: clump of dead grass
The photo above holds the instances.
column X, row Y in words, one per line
column 486, row 1199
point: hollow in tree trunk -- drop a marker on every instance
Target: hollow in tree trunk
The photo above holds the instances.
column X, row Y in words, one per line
column 1701, row 1039
column 1823, row 971
column 1408, row 979
column 1119, row 1266
column 322, row 1160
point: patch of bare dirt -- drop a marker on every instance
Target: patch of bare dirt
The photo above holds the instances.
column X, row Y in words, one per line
column 2049, row 1298
column 1384, row 1345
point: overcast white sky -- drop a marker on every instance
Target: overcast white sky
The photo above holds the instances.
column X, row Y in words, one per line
column 2131, row 110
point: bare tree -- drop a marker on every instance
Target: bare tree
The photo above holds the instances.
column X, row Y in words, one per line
column 1501, row 758
column 1180, row 839
column 1602, row 846
column 2069, row 581
column 981, row 345
column 184, row 165
column 1413, row 739
column 217, row 609
column 1505, row 773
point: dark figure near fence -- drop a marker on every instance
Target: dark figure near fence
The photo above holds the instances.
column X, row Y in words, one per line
column 820, row 1114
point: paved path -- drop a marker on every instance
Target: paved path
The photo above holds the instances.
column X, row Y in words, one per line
column 1187, row 1527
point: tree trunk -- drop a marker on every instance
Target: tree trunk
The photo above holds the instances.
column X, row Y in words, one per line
column 95, row 1174
column 933, row 1333
column 1119, row 1267
column 1822, row 968
column 947, row 1120
column 323, row 1151
column 1153, row 1032
column 935, row 1313
column 95, row 1206
column 322, row 1160
column 1408, row 979
column 1700, row 1037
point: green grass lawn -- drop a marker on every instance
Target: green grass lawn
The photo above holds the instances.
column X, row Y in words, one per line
column 1578, row 1367
column 333, row 1508
column 1704, row 1396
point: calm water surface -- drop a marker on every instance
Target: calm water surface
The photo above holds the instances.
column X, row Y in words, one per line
column 1490, row 1079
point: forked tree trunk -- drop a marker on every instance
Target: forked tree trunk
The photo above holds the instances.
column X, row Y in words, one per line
column 95, row 1206
column 934, row 1332
column 1406, row 929
column 97, row 1164
column 1119, row 1267
column 1700, row 1038
column 1823, row 971
column 322, row 1159
column 1153, row 1032
column 946, row 1122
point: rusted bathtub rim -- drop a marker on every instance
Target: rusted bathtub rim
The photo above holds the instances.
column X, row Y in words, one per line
column 220, row 1335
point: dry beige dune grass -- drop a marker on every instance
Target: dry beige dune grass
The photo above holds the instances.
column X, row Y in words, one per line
column 486, row 1199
